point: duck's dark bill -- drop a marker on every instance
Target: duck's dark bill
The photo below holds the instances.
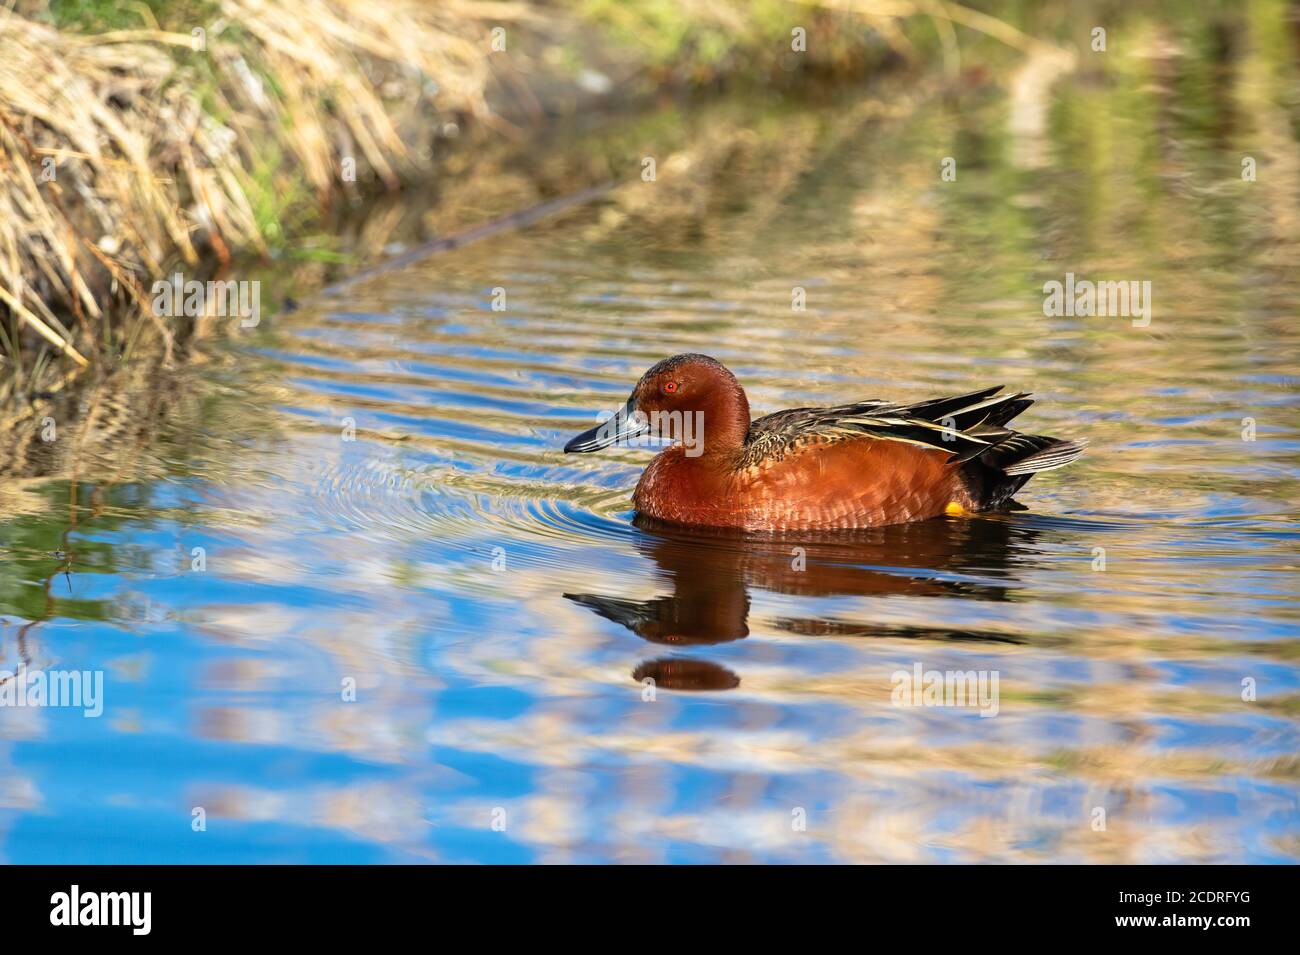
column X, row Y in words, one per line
column 624, row 425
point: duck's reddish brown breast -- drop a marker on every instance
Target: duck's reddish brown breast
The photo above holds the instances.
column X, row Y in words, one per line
column 818, row 486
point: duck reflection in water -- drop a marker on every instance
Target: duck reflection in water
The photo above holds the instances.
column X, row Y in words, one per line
column 711, row 573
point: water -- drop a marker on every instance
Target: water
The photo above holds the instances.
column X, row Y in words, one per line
column 384, row 513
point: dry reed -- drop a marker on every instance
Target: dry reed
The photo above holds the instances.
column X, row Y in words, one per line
column 123, row 153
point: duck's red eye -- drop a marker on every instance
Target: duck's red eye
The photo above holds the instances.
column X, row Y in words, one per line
column 670, row 386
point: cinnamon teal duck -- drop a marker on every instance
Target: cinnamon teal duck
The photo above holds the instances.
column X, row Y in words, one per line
column 861, row 465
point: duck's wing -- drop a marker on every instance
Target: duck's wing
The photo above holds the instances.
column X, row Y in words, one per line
column 964, row 425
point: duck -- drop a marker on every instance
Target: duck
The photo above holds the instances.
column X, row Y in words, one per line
column 867, row 464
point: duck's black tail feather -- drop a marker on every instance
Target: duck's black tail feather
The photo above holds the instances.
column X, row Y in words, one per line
column 1026, row 454
column 1001, row 470
column 968, row 413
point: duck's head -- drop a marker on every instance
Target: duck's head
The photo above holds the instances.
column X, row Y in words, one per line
column 689, row 398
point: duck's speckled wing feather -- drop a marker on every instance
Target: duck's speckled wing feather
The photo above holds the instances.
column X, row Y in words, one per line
column 964, row 425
